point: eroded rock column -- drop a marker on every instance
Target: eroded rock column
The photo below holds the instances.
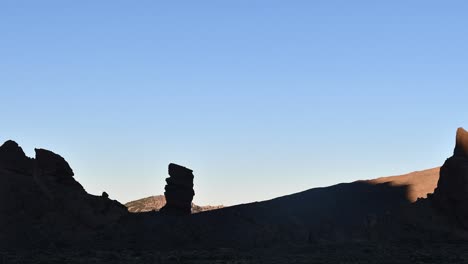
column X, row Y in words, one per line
column 179, row 190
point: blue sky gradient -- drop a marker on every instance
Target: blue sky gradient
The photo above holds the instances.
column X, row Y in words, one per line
column 259, row 98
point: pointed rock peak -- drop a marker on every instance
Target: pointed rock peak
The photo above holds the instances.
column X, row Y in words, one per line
column 11, row 147
column 461, row 147
column 9, row 143
column 52, row 164
column 12, row 157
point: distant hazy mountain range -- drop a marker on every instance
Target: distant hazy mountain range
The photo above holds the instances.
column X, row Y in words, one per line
column 154, row 203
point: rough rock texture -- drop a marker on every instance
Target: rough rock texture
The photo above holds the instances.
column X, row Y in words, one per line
column 179, row 190
column 451, row 194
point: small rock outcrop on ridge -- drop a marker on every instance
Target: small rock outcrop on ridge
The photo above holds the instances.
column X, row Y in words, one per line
column 451, row 194
column 179, row 190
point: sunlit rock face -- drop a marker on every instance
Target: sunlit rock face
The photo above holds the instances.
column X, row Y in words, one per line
column 451, row 194
column 179, row 190
column 461, row 146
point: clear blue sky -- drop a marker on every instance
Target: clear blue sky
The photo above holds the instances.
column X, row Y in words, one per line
column 259, row 98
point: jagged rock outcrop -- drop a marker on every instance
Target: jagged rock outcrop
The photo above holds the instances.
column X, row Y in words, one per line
column 54, row 175
column 55, row 178
column 179, row 190
column 451, row 194
column 41, row 201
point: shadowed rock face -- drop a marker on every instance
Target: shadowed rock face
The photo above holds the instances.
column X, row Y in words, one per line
column 451, row 194
column 179, row 190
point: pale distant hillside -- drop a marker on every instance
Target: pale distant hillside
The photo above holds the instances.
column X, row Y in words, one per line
column 154, row 203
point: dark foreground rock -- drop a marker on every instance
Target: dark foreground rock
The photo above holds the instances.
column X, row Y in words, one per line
column 42, row 203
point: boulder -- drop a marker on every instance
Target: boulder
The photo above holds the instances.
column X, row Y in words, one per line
column 179, row 190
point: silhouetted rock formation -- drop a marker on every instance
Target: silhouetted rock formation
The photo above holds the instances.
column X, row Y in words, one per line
column 179, row 190
column 13, row 158
column 41, row 201
column 53, row 174
column 451, row 194
column 55, row 177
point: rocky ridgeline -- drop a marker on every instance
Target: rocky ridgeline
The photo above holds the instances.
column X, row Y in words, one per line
column 451, row 194
column 179, row 190
column 41, row 201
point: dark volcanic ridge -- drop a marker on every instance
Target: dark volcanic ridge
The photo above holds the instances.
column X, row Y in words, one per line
column 42, row 205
